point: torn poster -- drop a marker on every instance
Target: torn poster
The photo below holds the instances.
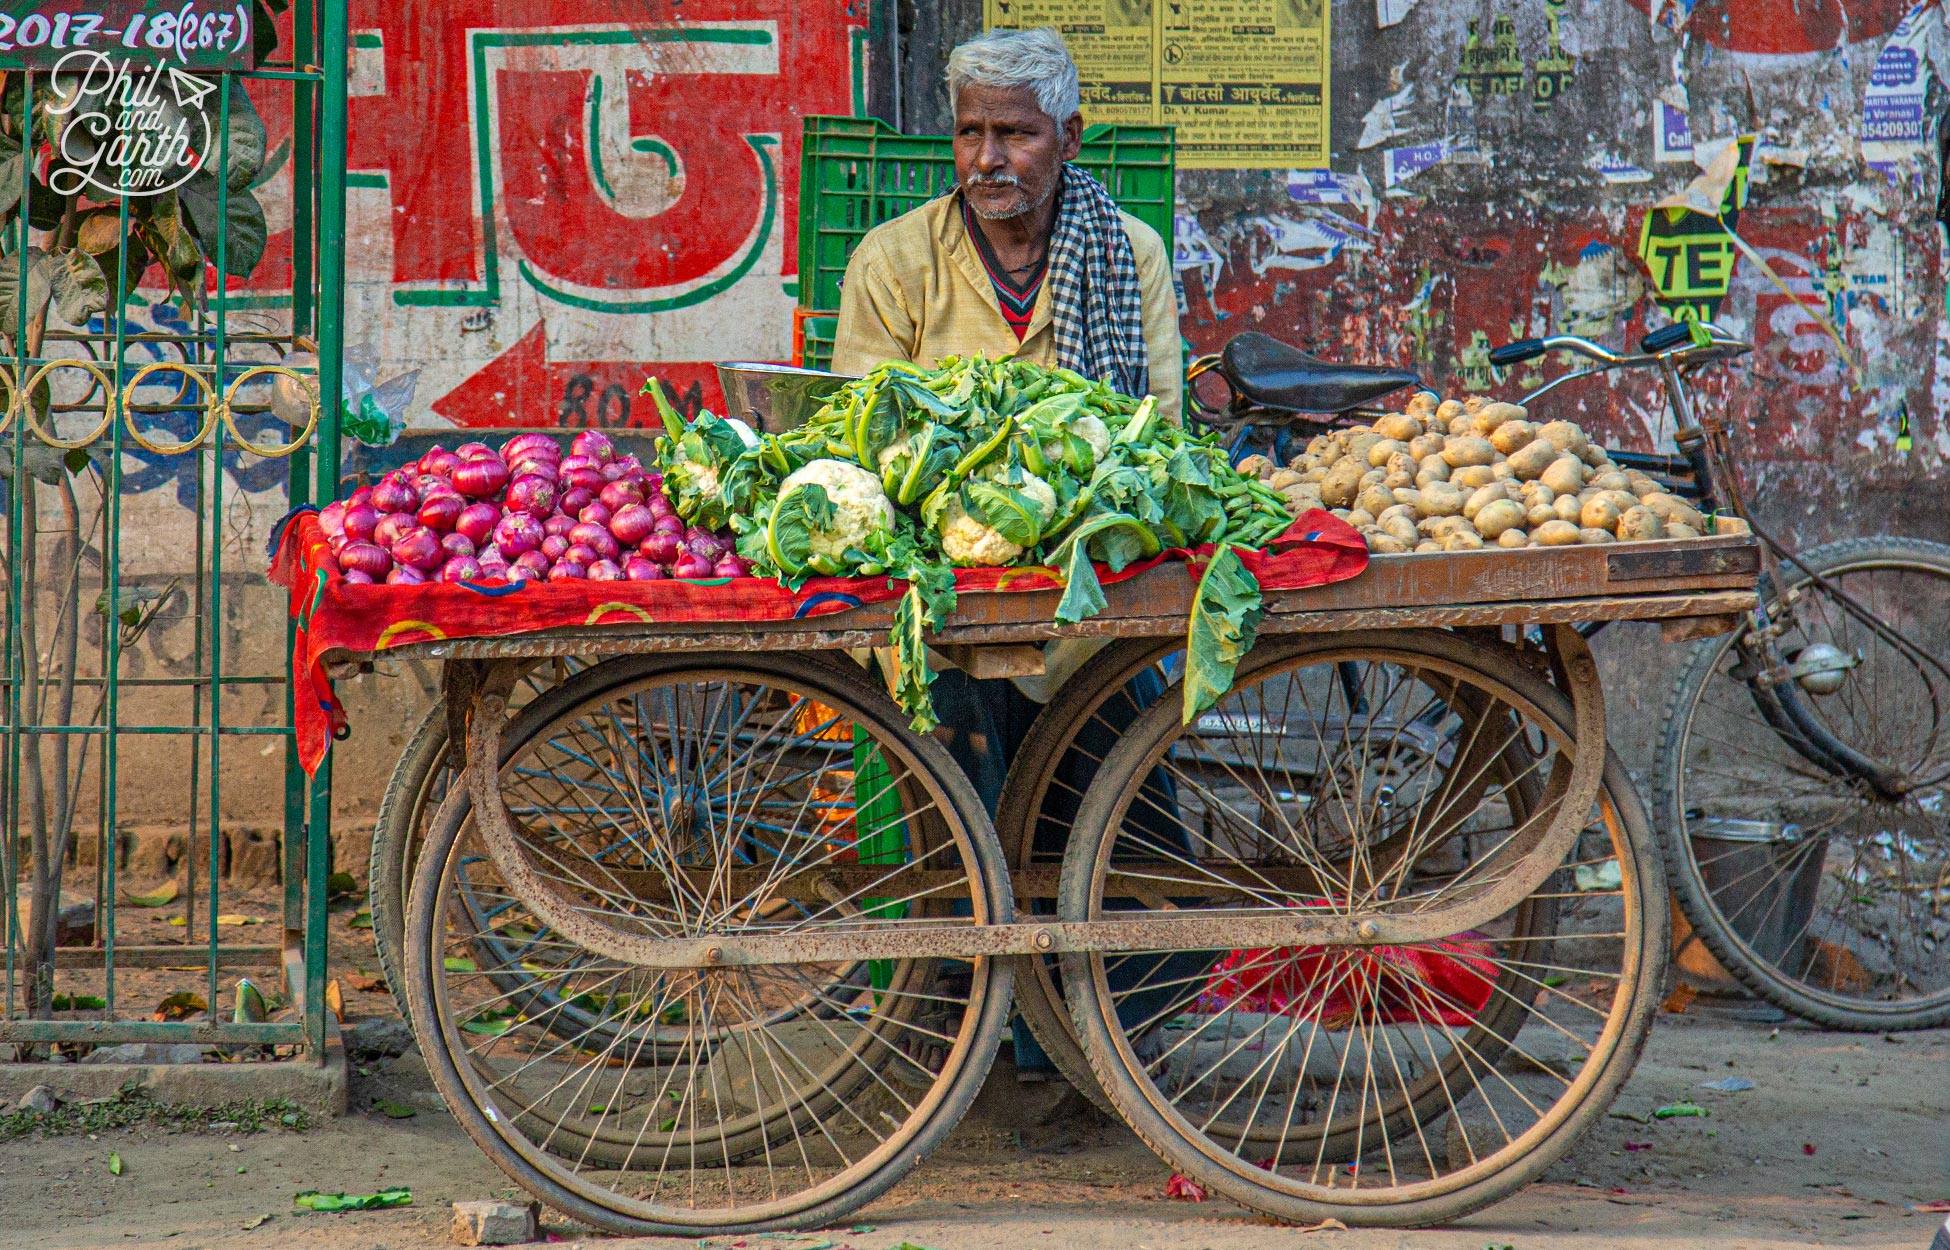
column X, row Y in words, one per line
column 1390, row 12
column 1283, row 243
column 1616, row 170
column 1398, row 165
column 1326, row 188
column 1672, row 132
column 1895, row 123
column 1388, row 119
column 1689, row 254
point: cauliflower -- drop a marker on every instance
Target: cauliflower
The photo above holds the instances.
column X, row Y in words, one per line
column 892, row 451
column 860, row 508
column 1092, row 430
column 966, row 540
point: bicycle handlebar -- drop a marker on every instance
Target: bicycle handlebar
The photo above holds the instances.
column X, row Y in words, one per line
column 1673, row 340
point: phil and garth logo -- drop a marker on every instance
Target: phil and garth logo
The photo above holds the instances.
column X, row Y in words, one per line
column 128, row 129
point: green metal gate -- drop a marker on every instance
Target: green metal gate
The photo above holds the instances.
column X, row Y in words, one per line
column 171, row 281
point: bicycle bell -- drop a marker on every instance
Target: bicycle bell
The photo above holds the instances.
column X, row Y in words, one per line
column 1820, row 668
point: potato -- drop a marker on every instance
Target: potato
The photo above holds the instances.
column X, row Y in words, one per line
column 1460, row 427
column 1402, row 462
column 1399, row 426
column 1448, row 410
column 1512, row 435
column 1439, row 527
column 1315, row 475
column 1361, row 444
column 1386, row 544
column 1282, row 478
column 1513, row 539
column 1441, row 499
column 1463, row 540
column 1359, row 517
column 1469, row 477
column 1613, row 481
column 1298, row 501
column 1473, row 404
column 1679, row 529
column 1640, row 484
column 1530, row 460
column 1483, row 496
column 1567, row 507
column 1727, row 525
column 1428, row 544
column 1539, row 514
column 1564, row 476
column 1600, row 513
column 1397, row 510
column 1377, row 498
column 1343, row 482
column 1640, row 524
column 1400, row 528
column 1555, row 534
column 1534, row 493
column 1463, row 452
column 1595, row 457
column 1332, row 456
column 1426, row 445
column 1256, row 466
column 1591, row 537
column 1397, row 479
column 1502, row 472
column 1378, row 453
column 1565, row 435
column 1671, row 509
column 1494, row 414
column 1499, row 515
column 1421, row 405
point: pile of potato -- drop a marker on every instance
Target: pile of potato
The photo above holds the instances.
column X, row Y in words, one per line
column 1464, row 474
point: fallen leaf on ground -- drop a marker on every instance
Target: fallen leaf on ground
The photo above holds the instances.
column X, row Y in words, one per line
column 1682, row 997
column 232, row 918
column 315, row 1201
column 179, row 921
column 1328, row 1225
column 340, row 883
column 335, row 998
column 180, row 1006
column 365, row 984
column 162, row 896
column 393, row 1110
column 259, row 1222
column 1682, row 1109
column 361, row 920
column 1184, row 1189
column 459, row 963
column 114, row 1164
column 1634, row 1117
column 78, row 1002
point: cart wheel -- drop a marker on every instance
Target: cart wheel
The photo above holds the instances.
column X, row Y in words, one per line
column 1393, row 774
column 1040, row 797
column 419, row 783
column 669, row 797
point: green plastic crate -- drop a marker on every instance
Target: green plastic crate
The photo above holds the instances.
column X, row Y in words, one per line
column 856, row 172
column 816, row 341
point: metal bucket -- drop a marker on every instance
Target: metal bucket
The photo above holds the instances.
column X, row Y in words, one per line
column 1764, row 877
column 775, row 398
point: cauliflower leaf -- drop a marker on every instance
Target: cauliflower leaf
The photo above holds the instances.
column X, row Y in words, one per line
column 1225, row 621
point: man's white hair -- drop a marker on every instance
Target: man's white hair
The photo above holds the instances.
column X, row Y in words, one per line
column 1019, row 58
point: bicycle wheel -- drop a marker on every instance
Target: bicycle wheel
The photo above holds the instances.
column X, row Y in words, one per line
column 667, row 798
column 1820, row 895
column 415, row 790
column 1381, row 775
column 1037, row 811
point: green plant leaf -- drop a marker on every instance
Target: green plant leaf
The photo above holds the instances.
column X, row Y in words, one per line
column 1224, row 622
column 1083, row 596
column 340, row 883
column 163, row 896
column 114, row 1164
column 180, row 1006
column 243, row 244
column 312, row 1200
column 911, row 654
column 78, row 287
column 394, row 1110
column 361, row 920
column 40, row 288
column 460, row 963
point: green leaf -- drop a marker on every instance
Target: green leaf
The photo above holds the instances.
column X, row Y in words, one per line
column 340, row 883
column 203, row 211
column 311, row 1199
column 1083, row 596
column 460, row 963
column 911, row 654
column 361, row 920
column 394, row 1110
column 818, row 507
column 877, row 426
column 1225, row 620
column 78, row 1002
column 1008, row 512
column 114, row 1164
column 40, row 271
column 78, row 286
column 10, row 171
column 1683, row 1109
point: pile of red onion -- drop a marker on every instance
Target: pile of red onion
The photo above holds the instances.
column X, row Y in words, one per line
column 524, row 512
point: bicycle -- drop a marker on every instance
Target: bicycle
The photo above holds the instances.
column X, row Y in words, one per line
column 1802, row 772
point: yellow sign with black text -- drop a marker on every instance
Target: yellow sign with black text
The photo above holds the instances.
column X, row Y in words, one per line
column 1244, row 81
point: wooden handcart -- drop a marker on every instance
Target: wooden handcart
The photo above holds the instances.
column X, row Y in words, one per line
column 703, row 938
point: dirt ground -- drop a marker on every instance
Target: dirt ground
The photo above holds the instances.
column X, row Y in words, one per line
column 1032, row 1166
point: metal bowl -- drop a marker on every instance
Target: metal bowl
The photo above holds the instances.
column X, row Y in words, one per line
column 775, row 398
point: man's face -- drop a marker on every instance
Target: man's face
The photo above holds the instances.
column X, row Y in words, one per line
column 1008, row 152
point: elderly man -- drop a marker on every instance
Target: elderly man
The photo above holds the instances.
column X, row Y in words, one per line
column 1028, row 255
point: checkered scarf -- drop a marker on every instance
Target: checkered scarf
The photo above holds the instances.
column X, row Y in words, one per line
column 1095, row 307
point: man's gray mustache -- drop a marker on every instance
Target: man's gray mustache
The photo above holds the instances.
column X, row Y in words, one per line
column 993, row 180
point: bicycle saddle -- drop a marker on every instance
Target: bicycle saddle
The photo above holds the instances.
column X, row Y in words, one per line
column 1272, row 373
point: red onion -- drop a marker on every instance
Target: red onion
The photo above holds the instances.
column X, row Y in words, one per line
column 456, row 545
column 672, row 525
column 540, row 446
column 441, row 512
column 618, row 495
column 664, row 548
column 559, row 524
column 614, row 472
column 489, row 556
column 367, row 558
column 395, row 495
column 575, row 499
column 595, row 537
column 632, row 468
column 692, row 567
column 731, row 566
column 590, row 479
column 566, row 570
column 477, row 521
column 354, row 577
column 533, row 563
column 530, row 466
column 473, row 451
column 419, row 548
column 359, row 496
column 360, row 518
column 518, row 533
column 638, row 569
column 405, row 575
column 331, row 519
column 660, row 508
column 533, row 495
column 582, row 553
column 481, row 477
column 705, row 545
column 605, row 571
column 461, row 568
column 553, row 546
column 595, row 514
column 632, row 524
column 439, row 461
column 510, row 572
column 652, row 480
column 595, row 445
column 391, row 526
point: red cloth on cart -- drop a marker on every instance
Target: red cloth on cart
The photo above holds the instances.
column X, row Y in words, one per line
column 1448, row 981
column 333, row 615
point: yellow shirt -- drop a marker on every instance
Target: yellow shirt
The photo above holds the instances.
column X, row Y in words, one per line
column 916, row 290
